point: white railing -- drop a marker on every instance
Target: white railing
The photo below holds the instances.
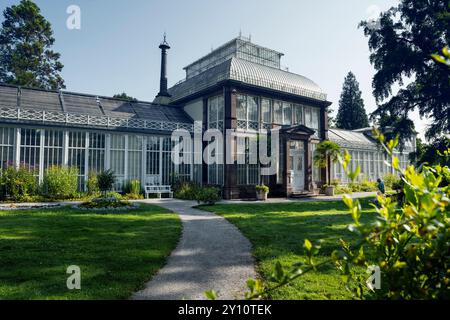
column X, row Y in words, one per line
column 55, row 117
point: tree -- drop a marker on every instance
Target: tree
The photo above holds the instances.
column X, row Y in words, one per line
column 401, row 48
column 351, row 114
column 327, row 152
column 25, row 55
column 124, row 96
column 106, row 180
column 394, row 126
column 428, row 154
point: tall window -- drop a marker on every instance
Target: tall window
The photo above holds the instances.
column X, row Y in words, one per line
column 168, row 167
column 77, row 155
column 53, row 148
column 277, row 112
column 216, row 113
column 6, row 147
column 30, row 142
column 247, row 173
column 184, row 169
column 266, row 111
column 153, row 165
column 134, row 157
column 118, row 159
column 287, row 113
column 247, row 112
column 96, row 152
column 298, row 114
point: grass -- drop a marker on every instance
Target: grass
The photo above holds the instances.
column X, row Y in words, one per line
column 117, row 253
column 277, row 233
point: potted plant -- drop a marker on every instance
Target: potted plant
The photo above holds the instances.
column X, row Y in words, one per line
column 327, row 153
column 261, row 192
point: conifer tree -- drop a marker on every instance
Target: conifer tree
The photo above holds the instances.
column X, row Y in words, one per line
column 351, row 114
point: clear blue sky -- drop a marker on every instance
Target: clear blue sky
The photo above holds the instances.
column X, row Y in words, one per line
column 116, row 49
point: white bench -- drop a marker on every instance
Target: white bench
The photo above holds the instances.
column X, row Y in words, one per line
column 158, row 190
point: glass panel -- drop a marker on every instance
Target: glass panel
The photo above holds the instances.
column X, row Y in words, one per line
column 53, row 148
column 96, row 152
column 277, row 112
column 7, row 137
column 298, row 109
column 77, row 155
column 265, row 110
column 252, row 106
column 29, row 148
column 241, row 108
column 287, row 113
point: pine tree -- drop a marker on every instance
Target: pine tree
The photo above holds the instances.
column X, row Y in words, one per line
column 25, row 55
column 351, row 114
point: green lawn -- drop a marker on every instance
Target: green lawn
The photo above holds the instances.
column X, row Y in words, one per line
column 277, row 233
column 117, row 253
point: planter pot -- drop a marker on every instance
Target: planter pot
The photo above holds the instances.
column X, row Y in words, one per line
column 329, row 191
column 261, row 195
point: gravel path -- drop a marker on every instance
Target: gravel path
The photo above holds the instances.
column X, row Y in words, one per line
column 211, row 255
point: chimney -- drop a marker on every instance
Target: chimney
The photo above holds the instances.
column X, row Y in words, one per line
column 163, row 80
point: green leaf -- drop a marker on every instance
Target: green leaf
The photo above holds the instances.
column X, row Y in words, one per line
column 395, row 163
column 279, row 272
column 307, row 245
column 348, row 201
column 211, row 295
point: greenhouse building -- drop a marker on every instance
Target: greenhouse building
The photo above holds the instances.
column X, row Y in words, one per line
column 240, row 86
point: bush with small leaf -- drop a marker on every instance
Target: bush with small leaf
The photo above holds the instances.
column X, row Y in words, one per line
column 18, row 184
column 106, row 180
column 132, row 190
column 208, row 195
column 92, row 183
column 186, row 190
column 60, row 183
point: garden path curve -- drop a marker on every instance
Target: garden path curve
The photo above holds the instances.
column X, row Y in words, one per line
column 212, row 255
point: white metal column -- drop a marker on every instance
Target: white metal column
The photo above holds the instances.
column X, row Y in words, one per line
column 161, row 140
column 144, row 160
column 17, row 148
column 41, row 155
column 108, row 151
column 66, row 148
column 86, row 161
column 125, row 178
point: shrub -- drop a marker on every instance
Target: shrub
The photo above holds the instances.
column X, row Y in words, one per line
column 262, row 188
column 208, row 195
column 60, row 183
column 113, row 194
column 367, row 186
column 132, row 189
column 335, row 182
column 186, row 190
column 106, row 180
column 19, row 184
column 354, row 186
column 342, row 189
column 390, row 180
column 92, row 183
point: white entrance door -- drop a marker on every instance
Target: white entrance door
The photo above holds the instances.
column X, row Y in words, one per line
column 298, row 170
